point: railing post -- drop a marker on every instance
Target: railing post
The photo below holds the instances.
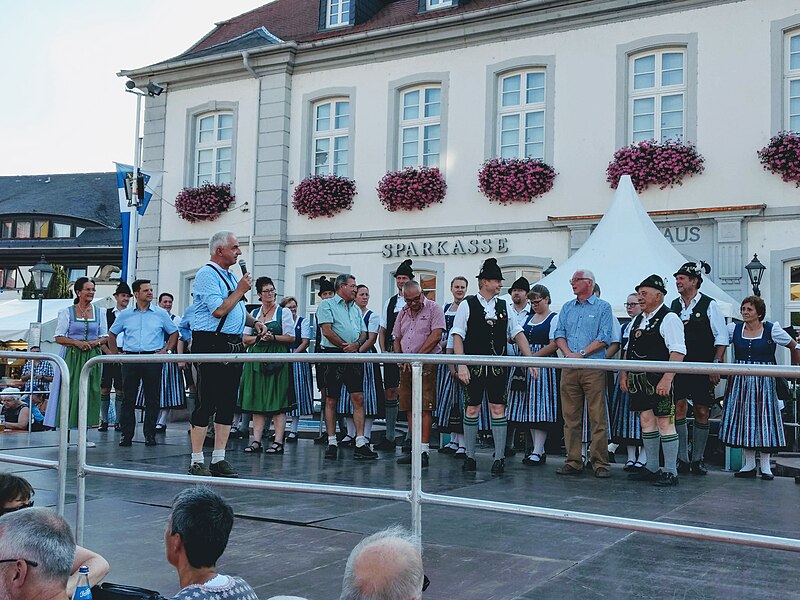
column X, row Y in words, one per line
column 63, row 433
column 83, row 406
column 416, row 449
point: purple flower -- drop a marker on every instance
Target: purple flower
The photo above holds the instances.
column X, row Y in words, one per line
column 411, row 189
column 323, row 195
column 650, row 162
column 508, row 180
column 782, row 156
column 204, row 203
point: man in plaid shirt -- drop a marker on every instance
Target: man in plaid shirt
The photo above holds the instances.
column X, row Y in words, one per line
column 42, row 373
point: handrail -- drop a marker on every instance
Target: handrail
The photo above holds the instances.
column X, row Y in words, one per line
column 63, row 407
column 416, row 496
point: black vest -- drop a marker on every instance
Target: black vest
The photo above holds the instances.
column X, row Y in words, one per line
column 483, row 338
column 697, row 331
column 391, row 317
column 110, row 317
column 647, row 343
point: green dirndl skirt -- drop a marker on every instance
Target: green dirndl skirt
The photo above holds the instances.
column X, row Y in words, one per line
column 75, row 360
column 264, row 388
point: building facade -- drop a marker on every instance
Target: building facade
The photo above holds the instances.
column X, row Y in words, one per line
column 362, row 87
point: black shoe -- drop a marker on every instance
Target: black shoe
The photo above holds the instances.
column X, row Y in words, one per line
column 535, row 462
column 385, row 445
column 645, row 475
column 331, row 452
column 469, row 464
column 161, row 428
column 751, row 474
column 510, row 452
column 125, row 442
column 347, row 441
column 407, row 446
column 223, row 469
column 364, row 453
column 103, row 426
column 767, row 476
column 448, row 449
column 406, row 459
column 150, row 440
column 321, row 440
column 460, row 455
column 683, row 467
column 666, row 480
column 698, row 468
column 499, row 466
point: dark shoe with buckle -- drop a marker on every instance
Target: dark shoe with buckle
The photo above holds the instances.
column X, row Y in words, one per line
column 448, row 449
column 406, row 459
column 461, row 453
column 385, row 445
column 698, row 468
column 568, row 470
column 223, row 469
column 364, row 453
column 469, row 464
column 150, row 440
column 602, row 473
column 103, row 426
column 535, row 460
column 666, row 480
column 125, row 442
column 347, row 441
column 275, row 448
column 751, row 474
column 331, row 452
column 199, row 470
column 499, row 466
column 645, row 475
column 683, row 467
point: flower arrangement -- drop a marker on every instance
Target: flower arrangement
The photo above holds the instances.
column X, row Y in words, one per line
column 204, row 203
column 507, row 180
column 782, row 156
column 323, row 195
column 413, row 188
column 662, row 163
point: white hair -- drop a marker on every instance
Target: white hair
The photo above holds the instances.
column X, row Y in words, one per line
column 218, row 240
column 586, row 273
column 41, row 536
column 394, row 548
column 411, row 285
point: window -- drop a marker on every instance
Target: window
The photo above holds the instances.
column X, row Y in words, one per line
column 793, row 293
column 420, row 126
column 76, row 273
column 521, row 115
column 511, row 274
column 427, row 281
column 79, row 230
column 332, row 137
column 657, row 95
column 6, row 229
column 22, row 230
column 213, row 159
column 312, row 285
column 792, row 78
column 41, row 229
column 434, row 4
column 61, row 230
column 338, row 13
column 8, row 278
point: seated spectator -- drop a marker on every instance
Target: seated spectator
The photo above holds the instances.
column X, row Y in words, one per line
column 38, row 550
column 385, row 566
column 16, row 412
column 15, row 494
column 196, row 536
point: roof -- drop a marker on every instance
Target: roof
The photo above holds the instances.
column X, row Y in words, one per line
column 95, row 245
column 298, row 21
column 84, row 196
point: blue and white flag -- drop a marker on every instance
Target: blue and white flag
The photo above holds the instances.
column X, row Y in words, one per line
column 124, row 174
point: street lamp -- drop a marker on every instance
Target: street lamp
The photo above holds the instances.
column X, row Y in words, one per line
column 755, row 271
column 41, row 275
column 549, row 269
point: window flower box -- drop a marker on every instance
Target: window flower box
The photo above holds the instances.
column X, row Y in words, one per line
column 508, row 180
column 782, row 156
column 323, row 195
column 655, row 163
column 204, row 203
column 413, row 188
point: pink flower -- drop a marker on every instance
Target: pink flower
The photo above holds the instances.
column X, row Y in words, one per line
column 649, row 162
column 411, row 188
column 323, row 195
column 204, row 203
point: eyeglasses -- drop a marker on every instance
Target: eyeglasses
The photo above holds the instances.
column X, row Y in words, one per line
column 577, row 279
column 33, row 563
column 4, row 511
column 536, row 300
column 268, row 291
column 631, row 304
column 416, row 298
column 425, row 582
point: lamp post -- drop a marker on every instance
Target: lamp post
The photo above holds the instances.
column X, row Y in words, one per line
column 549, row 269
column 755, row 272
column 41, row 275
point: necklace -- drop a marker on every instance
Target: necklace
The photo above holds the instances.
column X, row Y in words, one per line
column 82, row 312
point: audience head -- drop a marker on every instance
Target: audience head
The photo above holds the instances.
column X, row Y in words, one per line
column 384, row 566
column 345, row 285
column 265, row 288
column 10, row 397
column 15, row 493
column 198, row 529
column 754, row 303
column 36, row 554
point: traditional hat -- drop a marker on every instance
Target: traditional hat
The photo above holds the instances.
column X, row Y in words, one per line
column 520, row 284
column 325, row 285
column 490, row 270
column 405, row 269
column 655, row 282
column 694, row 270
column 123, row 288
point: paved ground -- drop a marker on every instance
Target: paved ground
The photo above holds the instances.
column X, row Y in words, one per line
column 298, row 543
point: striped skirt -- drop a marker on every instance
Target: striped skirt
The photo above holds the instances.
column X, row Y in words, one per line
column 374, row 398
column 449, row 402
column 538, row 403
column 304, row 395
column 586, row 432
column 625, row 425
column 751, row 417
column 173, row 394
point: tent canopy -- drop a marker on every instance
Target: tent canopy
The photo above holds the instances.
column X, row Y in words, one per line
column 624, row 248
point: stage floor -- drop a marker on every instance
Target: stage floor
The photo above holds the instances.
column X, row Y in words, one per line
column 298, row 543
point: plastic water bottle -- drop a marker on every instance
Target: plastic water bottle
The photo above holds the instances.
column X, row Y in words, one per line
column 84, row 590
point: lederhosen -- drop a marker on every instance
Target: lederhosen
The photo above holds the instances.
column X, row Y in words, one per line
column 483, row 338
column 112, row 372
column 699, row 348
column 648, row 344
column 319, row 368
column 391, row 371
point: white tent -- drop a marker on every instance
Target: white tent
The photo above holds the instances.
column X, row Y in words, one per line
column 624, row 248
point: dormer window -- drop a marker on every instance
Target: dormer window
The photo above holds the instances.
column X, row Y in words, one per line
column 337, row 13
column 434, row 4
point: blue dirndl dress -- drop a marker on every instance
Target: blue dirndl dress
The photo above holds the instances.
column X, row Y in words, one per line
column 173, row 392
column 374, row 398
column 449, row 392
column 625, row 425
column 301, row 377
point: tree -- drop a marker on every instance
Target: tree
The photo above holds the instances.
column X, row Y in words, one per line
column 59, row 286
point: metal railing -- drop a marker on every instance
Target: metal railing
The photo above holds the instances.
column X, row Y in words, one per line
column 63, row 413
column 415, row 495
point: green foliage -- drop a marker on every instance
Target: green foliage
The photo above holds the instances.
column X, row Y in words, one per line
column 59, row 286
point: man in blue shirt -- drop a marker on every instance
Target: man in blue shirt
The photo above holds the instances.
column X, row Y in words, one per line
column 145, row 328
column 585, row 328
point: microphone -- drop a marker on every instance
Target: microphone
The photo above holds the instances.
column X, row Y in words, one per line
column 243, row 266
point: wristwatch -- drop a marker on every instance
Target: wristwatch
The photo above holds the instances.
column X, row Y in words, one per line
column 582, row 353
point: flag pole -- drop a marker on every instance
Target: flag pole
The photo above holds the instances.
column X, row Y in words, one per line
column 133, row 231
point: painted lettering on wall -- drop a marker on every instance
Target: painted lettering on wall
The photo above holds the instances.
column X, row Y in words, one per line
column 682, row 235
column 446, row 247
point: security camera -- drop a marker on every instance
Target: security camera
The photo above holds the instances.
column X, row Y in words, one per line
column 153, row 89
column 130, row 84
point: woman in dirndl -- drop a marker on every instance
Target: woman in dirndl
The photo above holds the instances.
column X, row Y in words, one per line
column 374, row 398
column 265, row 389
column 752, row 414
column 449, row 392
column 535, row 403
column 625, row 426
column 301, row 372
column 81, row 330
